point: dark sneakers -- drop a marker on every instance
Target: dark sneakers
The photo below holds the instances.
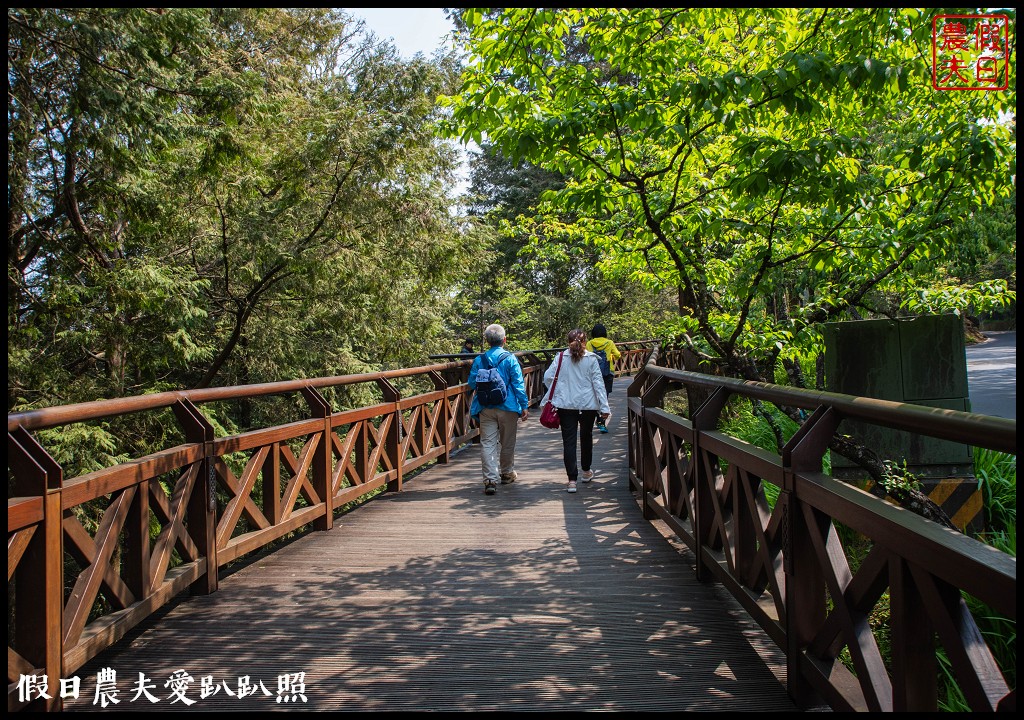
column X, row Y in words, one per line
column 490, row 487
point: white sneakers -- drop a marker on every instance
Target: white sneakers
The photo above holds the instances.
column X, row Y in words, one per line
column 586, row 476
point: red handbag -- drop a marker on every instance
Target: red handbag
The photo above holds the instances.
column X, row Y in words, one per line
column 549, row 415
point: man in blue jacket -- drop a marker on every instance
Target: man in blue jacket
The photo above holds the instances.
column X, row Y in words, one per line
column 499, row 423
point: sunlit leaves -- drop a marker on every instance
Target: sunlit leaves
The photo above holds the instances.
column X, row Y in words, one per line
column 980, row 297
column 778, row 164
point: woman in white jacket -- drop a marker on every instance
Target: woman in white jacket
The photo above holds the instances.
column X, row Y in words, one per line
column 580, row 396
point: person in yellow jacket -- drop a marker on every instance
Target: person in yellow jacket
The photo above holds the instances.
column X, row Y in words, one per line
column 600, row 343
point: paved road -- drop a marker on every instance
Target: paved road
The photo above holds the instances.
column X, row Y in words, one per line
column 992, row 375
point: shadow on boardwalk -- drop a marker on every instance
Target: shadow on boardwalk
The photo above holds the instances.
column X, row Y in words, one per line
column 442, row 598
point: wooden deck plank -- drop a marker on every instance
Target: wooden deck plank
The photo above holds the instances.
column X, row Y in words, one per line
column 443, row 598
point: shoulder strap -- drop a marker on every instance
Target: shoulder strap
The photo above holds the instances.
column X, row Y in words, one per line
column 554, row 381
column 503, row 358
column 486, row 360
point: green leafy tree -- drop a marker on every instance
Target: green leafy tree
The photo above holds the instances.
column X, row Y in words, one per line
column 216, row 196
column 544, row 286
column 92, row 94
column 776, row 168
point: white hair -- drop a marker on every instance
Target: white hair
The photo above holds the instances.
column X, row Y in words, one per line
column 494, row 334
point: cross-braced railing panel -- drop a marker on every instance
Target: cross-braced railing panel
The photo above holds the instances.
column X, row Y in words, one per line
column 460, row 425
column 423, row 439
column 632, row 359
column 745, row 528
column 360, row 458
column 742, row 532
column 265, row 488
column 862, row 595
column 533, row 379
column 125, row 530
column 670, row 452
column 924, row 576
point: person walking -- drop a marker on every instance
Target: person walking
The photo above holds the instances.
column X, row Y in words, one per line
column 498, row 422
column 467, row 347
column 600, row 343
column 581, row 398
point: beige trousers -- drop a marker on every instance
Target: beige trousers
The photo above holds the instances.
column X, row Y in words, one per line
column 498, row 430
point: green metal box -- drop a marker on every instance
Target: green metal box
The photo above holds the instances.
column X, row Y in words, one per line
column 919, row 360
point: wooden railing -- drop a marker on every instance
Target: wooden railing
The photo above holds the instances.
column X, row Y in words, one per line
column 91, row 556
column 790, row 563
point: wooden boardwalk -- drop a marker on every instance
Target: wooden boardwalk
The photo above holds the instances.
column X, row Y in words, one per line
column 442, row 598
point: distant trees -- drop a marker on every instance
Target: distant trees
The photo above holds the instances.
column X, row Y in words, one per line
column 545, row 284
column 212, row 196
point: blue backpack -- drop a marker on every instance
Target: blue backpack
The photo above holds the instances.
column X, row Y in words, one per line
column 602, row 361
column 491, row 390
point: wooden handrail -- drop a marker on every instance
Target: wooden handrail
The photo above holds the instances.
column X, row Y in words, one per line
column 98, row 409
column 780, row 560
column 983, row 430
column 790, row 562
column 211, row 508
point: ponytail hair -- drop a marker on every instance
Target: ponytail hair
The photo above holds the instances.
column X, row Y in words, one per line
column 577, row 344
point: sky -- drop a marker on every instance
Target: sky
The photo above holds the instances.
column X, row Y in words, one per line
column 412, row 29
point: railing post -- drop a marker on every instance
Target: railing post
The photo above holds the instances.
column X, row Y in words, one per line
column 704, row 419
column 636, row 426
column 39, row 577
column 445, row 416
column 270, row 480
column 653, row 395
column 393, row 442
column 321, row 466
column 202, row 504
column 137, row 545
column 805, row 580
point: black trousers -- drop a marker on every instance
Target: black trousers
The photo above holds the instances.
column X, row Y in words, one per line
column 573, row 421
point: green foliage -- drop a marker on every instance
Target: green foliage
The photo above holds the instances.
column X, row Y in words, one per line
column 773, row 168
column 897, row 479
column 218, row 196
column 80, row 448
column 997, row 478
column 541, row 289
